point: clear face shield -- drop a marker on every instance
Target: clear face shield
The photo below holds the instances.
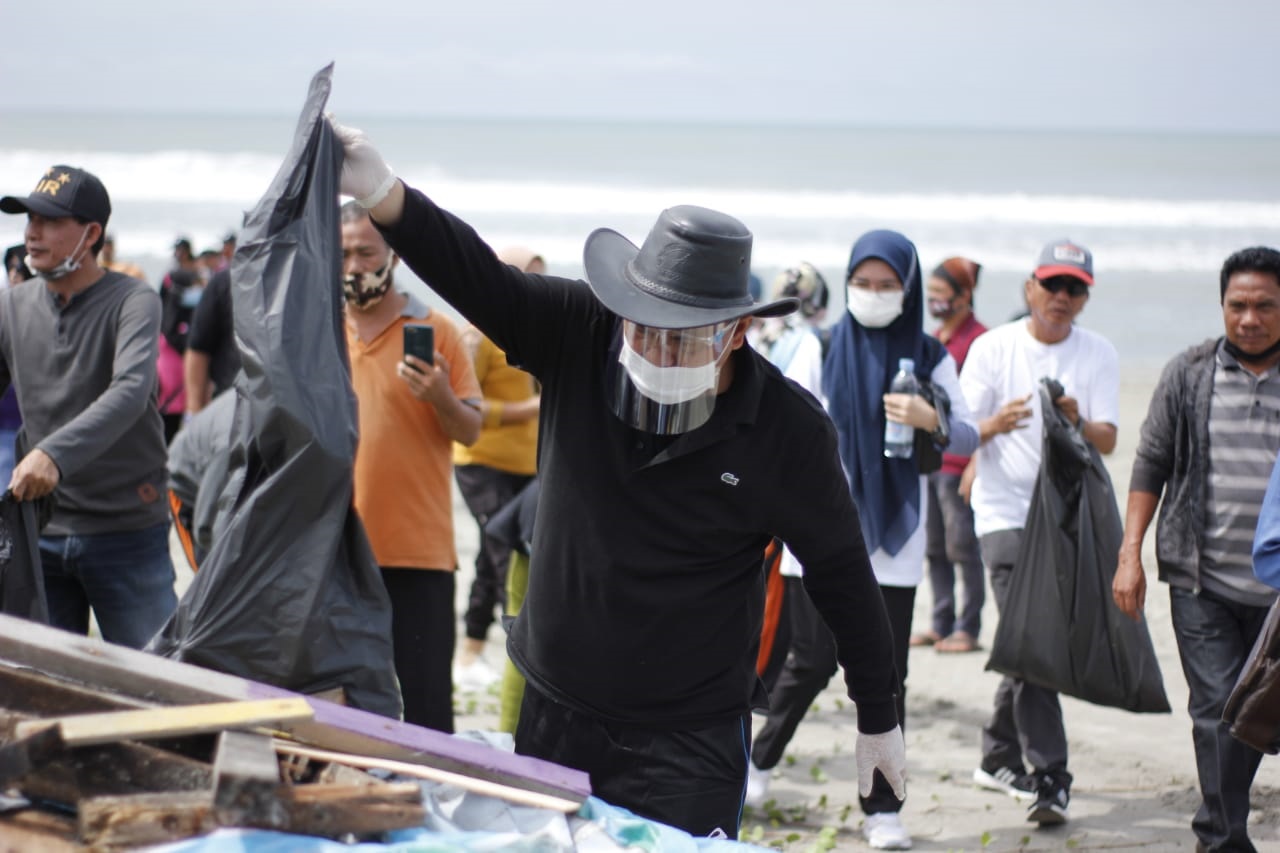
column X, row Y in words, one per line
column 663, row 381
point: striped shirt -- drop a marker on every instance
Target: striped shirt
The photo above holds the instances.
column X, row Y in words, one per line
column 1244, row 438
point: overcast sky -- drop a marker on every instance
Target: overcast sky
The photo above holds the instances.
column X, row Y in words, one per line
column 1113, row 64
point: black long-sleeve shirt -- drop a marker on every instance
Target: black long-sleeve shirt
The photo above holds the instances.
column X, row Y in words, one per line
column 645, row 587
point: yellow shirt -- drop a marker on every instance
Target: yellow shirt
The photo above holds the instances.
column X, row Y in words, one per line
column 403, row 474
column 511, row 447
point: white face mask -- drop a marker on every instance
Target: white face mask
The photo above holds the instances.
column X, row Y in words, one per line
column 68, row 265
column 875, row 309
column 668, row 385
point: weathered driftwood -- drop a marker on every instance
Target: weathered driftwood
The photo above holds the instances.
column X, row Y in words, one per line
column 325, row 810
column 24, row 755
column 136, row 819
column 66, row 776
column 36, row 831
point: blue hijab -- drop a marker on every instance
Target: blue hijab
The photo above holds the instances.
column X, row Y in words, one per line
column 855, row 377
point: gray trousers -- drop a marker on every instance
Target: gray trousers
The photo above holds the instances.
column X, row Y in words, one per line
column 953, row 546
column 1026, row 722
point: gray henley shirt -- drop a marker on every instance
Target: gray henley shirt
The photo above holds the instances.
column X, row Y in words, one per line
column 85, row 378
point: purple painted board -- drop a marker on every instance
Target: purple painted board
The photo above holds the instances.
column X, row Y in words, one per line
column 151, row 678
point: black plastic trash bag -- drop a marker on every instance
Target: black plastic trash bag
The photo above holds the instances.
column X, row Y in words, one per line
column 1060, row 627
column 21, row 575
column 290, row 593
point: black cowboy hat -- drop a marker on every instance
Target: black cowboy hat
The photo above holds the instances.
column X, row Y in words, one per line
column 693, row 270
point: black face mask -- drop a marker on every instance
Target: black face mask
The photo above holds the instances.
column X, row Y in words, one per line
column 366, row 289
column 1248, row 357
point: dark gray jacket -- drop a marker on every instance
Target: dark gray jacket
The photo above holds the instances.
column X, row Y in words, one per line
column 1173, row 459
column 200, row 470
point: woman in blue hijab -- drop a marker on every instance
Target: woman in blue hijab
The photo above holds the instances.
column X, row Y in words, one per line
column 885, row 323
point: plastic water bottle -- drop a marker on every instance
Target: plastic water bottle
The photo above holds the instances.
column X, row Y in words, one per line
column 899, row 439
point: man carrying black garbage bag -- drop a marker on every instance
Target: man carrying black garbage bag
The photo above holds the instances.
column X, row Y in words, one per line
column 670, row 455
column 1000, row 379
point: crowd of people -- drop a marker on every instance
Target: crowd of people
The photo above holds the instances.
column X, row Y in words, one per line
column 673, row 429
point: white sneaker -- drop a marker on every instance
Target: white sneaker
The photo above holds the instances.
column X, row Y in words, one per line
column 884, row 831
column 475, row 676
column 757, row 786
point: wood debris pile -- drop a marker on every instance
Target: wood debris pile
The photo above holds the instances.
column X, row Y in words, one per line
column 106, row 748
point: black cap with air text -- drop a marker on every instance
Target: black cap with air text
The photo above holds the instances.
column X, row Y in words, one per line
column 64, row 191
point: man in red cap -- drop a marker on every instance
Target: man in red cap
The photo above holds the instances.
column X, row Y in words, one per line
column 999, row 380
column 79, row 346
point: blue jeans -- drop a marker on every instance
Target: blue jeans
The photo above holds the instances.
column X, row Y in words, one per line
column 7, row 456
column 1215, row 637
column 127, row 578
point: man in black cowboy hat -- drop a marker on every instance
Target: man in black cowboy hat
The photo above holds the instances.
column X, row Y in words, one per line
column 669, row 455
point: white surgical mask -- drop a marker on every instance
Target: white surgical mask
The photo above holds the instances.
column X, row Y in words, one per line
column 67, row 265
column 875, row 309
column 667, row 385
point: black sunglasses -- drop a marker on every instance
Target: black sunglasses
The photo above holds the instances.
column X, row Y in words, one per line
column 1074, row 286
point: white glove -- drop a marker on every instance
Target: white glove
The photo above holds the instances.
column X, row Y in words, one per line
column 884, row 752
column 365, row 175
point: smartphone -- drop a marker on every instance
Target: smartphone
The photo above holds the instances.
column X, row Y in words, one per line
column 420, row 341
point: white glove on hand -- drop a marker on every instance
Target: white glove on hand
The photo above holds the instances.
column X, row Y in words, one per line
column 884, row 752
column 365, row 175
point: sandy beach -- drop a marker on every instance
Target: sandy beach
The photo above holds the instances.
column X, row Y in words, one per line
column 1135, row 782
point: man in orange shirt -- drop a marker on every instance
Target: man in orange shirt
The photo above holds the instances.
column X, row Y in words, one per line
column 410, row 414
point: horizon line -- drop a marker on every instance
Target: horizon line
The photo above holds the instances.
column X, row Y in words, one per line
column 761, row 123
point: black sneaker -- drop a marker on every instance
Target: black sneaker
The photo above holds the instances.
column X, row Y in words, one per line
column 1013, row 781
column 1050, row 807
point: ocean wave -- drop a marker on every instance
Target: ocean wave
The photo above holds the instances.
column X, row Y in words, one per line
column 193, row 176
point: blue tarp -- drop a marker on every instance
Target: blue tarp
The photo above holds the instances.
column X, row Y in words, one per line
column 596, row 828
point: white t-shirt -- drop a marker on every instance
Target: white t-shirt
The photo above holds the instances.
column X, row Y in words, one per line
column 1008, row 363
column 906, row 568
column 805, row 369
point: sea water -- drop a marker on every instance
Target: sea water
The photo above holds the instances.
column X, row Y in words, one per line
column 1160, row 211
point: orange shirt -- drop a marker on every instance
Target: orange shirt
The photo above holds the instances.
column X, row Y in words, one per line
column 404, row 493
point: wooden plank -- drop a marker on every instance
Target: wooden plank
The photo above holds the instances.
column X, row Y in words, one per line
column 137, row 819
column 467, row 783
column 156, row 723
column 246, row 774
column 27, row 691
column 140, row 675
column 336, row 810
